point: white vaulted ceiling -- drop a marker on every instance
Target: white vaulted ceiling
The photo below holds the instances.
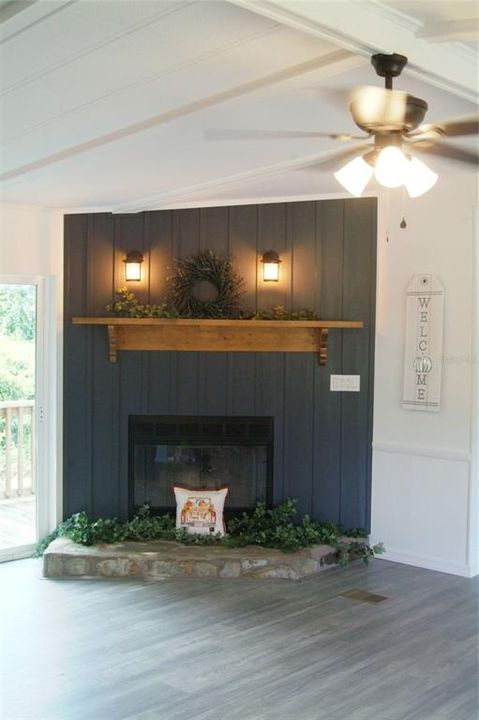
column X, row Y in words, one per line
column 106, row 104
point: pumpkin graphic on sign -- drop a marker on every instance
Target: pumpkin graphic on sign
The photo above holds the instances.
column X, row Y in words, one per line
column 422, row 364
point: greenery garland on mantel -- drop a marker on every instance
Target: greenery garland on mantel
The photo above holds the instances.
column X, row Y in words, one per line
column 202, row 286
column 271, row 528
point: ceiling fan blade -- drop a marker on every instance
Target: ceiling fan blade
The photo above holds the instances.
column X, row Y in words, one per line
column 451, row 153
column 424, row 136
column 430, row 133
column 332, row 161
column 230, row 134
column 337, row 97
column 456, row 128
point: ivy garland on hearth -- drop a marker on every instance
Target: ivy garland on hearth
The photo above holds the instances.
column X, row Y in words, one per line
column 263, row 526
column 205, row 286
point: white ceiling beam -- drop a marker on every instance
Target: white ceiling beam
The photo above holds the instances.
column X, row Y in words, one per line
column 369, row 26
column 22, row 16
column 330, row 63
column 170, row 198
column 450, row 30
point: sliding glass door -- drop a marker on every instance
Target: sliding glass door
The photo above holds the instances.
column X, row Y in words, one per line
column 18, row 314
column 23, row 493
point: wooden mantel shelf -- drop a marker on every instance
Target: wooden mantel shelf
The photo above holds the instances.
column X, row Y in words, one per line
column 218, row 335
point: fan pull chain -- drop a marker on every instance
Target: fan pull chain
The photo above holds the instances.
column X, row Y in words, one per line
column 386, row 209
column 403, row 223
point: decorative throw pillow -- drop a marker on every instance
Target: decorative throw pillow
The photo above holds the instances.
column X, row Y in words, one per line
column 200, row 511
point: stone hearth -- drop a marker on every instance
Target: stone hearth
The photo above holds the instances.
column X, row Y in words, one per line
column 155, row 560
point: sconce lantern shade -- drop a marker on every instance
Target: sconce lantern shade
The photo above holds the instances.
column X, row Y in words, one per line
column 271, row 264
column 133, row 265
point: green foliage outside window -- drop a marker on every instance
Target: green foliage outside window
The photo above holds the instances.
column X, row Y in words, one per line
column 17, row 363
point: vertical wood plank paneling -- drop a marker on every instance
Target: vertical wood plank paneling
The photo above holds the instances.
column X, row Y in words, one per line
column 322, row 439
column 359, row 263
column 299, row 367
column 270, row 402
column 105, row 413
column 327, row 416
column 159, row 239
column 100, row 262
column 272, row 230
column 75, row 262
column 133, row 380
column 158, row 227
column 242, row 246
column 129, row 235
column 272, row 235
column 104, row 377
column 76, row 369
column 186, row 229
column 241, row 389
column 213, row 367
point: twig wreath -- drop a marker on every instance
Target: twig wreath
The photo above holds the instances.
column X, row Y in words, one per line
column 205, row 286
column 202, row 286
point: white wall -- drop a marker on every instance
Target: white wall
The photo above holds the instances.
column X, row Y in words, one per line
column 31, row 244
column 424, row 484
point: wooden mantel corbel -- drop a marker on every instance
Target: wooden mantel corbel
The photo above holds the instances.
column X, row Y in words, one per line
column 218, row 335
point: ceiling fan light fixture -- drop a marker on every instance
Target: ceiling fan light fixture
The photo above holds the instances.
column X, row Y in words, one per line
column 419, row 178
column 392, row 167
column 355, row 175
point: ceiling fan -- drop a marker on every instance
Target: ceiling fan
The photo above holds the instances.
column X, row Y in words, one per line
column 392, row 120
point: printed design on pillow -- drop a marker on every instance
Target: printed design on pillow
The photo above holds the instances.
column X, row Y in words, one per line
column 200, row 511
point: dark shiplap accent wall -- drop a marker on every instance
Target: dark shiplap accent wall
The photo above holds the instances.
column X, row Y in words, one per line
column 322, row 439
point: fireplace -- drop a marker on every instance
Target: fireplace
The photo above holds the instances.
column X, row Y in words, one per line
column 199, row 452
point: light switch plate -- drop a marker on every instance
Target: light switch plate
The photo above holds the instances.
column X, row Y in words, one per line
column 344, row 383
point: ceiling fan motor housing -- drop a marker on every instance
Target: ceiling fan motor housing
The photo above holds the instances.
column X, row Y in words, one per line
column 388, row 110
column 384, row 110
column 385, row 118
column 389, row 65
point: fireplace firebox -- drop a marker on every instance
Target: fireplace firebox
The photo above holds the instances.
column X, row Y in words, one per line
column 200, row 452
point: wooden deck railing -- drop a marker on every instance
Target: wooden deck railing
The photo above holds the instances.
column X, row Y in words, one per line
column 17, row 451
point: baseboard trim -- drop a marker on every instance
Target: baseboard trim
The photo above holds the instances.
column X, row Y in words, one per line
column 18, row 553
column 429, row 563
column 422, row 451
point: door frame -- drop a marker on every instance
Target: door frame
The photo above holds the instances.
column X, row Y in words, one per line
column 48, row 487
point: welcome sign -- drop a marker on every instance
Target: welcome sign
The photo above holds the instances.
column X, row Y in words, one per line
column 424, row 328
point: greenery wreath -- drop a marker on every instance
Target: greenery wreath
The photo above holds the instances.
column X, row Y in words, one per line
column 205, row 286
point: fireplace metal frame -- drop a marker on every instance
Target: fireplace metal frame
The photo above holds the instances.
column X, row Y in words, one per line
column 179, row 423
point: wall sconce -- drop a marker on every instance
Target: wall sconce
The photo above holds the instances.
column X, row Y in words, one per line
column 133, row 265
column 271, row 263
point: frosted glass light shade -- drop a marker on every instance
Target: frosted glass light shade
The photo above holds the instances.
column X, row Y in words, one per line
column 132, row 271
column 271, row 272
column 133, row 265
column 355, row 176
column 391, row 167
column 271, row 264
column 419, row 178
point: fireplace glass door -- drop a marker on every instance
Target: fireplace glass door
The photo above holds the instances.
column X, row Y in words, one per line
column 200, row 453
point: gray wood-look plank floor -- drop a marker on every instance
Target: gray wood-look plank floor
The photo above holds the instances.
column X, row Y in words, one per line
column 239, row 649
column 17, row 522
